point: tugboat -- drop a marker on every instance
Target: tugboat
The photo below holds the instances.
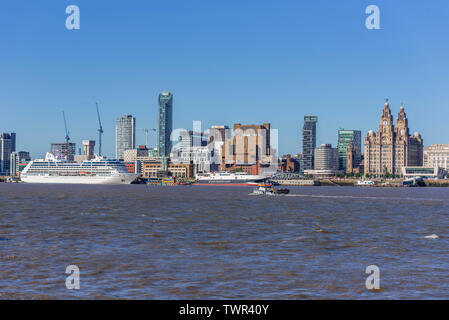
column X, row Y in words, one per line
column 267, row 189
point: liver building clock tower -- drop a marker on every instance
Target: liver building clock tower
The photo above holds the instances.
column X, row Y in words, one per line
column 390, row 149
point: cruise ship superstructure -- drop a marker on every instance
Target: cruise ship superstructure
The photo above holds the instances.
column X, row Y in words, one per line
column 96, row 171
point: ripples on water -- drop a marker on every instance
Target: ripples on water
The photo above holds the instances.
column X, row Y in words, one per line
column 201, row 242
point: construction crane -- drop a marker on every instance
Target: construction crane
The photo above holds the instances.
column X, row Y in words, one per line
column 67, row 138
column 146, row 130
column 100, row 130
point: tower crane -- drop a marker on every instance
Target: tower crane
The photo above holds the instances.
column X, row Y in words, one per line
column 146, row 130
column 67, row 137
column 100, row 130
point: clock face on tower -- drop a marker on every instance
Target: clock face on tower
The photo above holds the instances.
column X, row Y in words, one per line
column 402, row 131
column 385, row 122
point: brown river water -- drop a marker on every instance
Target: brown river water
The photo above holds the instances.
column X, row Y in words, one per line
column 203, row 242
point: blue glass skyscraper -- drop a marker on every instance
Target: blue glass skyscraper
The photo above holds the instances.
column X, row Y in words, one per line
column 308, row 142
column 165, row 123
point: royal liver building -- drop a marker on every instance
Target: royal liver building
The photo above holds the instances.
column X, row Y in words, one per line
column 390, row 149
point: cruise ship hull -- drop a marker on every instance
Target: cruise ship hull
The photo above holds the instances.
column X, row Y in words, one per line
column 121, row 179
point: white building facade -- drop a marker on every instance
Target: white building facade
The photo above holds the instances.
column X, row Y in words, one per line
column 437, row 155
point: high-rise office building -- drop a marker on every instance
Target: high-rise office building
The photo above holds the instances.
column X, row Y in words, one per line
column 326, row 158
column 308, row 142
column 63, row 151
column 88, row 146
column 125, row 135
column 18, row 158
column 188, row 139
column 217, row 138
column 165, row 123
column 88, row 151
column 7, row 146
column 344, row 140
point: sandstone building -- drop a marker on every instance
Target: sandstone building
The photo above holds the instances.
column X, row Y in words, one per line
column 392, row 148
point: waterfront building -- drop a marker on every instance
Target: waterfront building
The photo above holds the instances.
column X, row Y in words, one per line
column 354, row 162
column 156, row 170
column 345, row 138
column 88, row 149
column 437, row 155
column 217, row 137
column 289, row 164
column 308, row 142
column 392, row 148
column 249, row 145
column 193, row 148
column 17, row 162
column 132, row 167
column 165, row 123
column 140, row 156
column 63, row 151
column 321, row 174
column 7, row 146
column 249, row 149
column 326, row 158
column 200, row 156
column 125, row 135
column 188, row 139
column 132, row 155
column 424, row 172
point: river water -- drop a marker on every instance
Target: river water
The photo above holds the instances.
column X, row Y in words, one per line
column 203, row 242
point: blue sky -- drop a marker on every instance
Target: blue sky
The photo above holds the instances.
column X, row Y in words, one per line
column 225, row 62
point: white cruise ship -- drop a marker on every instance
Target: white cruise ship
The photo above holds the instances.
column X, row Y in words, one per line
column 95, row 171
column 229, row 178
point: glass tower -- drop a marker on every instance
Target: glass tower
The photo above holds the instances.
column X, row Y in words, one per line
column 344, row 139
column 125, row 135
column 165, row 123
column 308, row 142
column 7, row 146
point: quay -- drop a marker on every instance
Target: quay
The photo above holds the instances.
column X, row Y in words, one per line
column 9, row 179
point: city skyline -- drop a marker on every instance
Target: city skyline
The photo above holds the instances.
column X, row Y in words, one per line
column 268, row 63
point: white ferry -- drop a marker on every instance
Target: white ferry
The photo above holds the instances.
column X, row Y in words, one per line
column 229, row 178
column 95, row 171
column 365, row 183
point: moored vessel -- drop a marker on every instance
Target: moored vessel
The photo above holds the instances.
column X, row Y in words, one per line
column 225, row 178
column 365, row 183
column 96, row 171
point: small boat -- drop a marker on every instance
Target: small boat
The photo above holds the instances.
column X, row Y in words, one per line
column 414, row 182
column 267, row 189
column 365, row 183
column 282, row 191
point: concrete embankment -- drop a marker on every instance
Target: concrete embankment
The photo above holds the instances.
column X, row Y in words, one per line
column 436, row 183
column 338, row 182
